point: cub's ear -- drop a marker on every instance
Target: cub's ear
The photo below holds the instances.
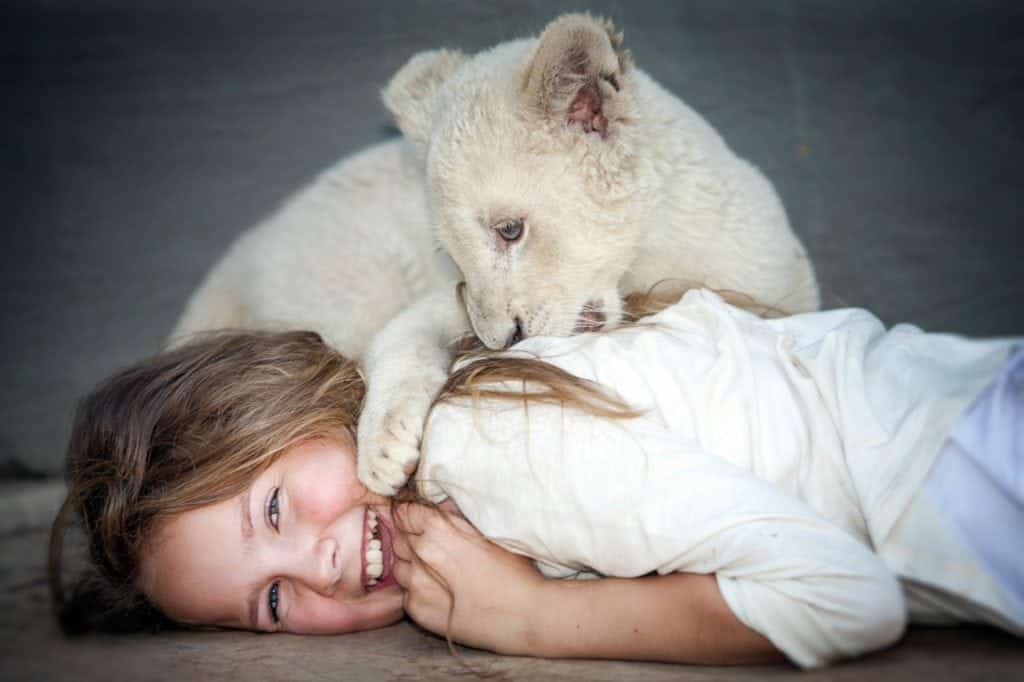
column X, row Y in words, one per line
column 410, row 94
column 576, row 72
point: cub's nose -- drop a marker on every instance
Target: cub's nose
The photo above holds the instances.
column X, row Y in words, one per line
column 517, row 334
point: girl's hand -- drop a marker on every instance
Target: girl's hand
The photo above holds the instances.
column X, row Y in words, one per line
column 502, row 603
column 460, row 584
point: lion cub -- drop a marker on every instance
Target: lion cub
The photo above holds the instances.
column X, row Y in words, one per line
column 557, row 177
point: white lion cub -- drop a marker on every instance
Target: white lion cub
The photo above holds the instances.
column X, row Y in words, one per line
column 560, row 178
column 556, row 176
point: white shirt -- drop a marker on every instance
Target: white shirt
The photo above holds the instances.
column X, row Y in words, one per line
column 776, row 454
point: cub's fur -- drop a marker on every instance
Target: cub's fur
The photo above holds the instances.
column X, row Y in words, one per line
column 557, row 177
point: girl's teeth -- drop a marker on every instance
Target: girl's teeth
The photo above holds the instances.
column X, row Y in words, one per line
column 374, row 554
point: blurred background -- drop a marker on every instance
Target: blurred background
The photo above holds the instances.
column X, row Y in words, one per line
column 139, row 138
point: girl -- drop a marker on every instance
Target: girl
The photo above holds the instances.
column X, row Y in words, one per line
column 753, row 486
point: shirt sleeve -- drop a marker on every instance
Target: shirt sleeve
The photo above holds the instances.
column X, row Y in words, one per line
column 625, row 498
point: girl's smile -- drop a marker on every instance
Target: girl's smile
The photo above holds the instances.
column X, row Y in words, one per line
column 305, row 549
column 378, row 551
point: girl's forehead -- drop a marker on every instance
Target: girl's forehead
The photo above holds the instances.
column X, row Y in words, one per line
column 192, row 566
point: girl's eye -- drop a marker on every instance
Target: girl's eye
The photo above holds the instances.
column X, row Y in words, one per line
column 272, row 512
column 272, row 600
column 510, row 230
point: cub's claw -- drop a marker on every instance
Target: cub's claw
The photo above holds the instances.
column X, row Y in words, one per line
column 389, row 448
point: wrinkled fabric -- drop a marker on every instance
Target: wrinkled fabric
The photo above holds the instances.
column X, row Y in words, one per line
column 775, row 454
column 977, row 483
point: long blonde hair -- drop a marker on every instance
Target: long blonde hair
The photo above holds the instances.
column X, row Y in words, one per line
column 182, row 430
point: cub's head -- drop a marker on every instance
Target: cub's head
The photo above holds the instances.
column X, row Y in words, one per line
column 534, row 179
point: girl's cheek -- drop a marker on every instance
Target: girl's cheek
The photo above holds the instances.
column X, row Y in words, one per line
column 326, row 494
column 310, row 614
column 314, row 614
column 321, row 505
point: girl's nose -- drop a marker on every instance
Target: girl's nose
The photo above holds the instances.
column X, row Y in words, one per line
column 314, row 563
column 327, row 566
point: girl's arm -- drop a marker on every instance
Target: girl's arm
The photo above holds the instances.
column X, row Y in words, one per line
column 502, row 603
column 627, row 498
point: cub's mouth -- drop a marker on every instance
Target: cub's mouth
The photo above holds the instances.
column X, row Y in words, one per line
column 591, row 317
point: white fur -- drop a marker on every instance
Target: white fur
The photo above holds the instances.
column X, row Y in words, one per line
column 651, row 193
column 342, row 257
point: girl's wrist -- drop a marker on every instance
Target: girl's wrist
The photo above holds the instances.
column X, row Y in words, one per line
column 529, row 627
column 547, row 610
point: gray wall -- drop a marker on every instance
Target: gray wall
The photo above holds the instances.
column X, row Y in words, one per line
column 139, row 138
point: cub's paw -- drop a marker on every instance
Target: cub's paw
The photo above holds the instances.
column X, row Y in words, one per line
column 389, row 445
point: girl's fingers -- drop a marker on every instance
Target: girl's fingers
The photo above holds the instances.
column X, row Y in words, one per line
column 402, row 570
column 417, row 520
column 424, row 598
column 449, row 506
column 400, row 545
column 411, row 517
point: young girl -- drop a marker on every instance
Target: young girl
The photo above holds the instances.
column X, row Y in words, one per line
column 744, row 486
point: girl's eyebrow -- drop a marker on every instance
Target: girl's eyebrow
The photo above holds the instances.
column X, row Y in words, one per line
column 246, row 516
column 254, row 608
column 247, row 531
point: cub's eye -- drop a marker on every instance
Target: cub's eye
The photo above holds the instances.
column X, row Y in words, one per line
column 272, row 512
column 273, row 597
column 510, row 230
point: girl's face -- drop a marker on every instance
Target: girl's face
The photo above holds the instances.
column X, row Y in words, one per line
column 297, row 551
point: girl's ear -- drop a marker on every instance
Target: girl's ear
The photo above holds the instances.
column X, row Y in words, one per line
column 576, row 72
column 411, row 94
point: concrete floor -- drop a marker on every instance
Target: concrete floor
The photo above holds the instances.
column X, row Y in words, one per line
column 139, row 138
